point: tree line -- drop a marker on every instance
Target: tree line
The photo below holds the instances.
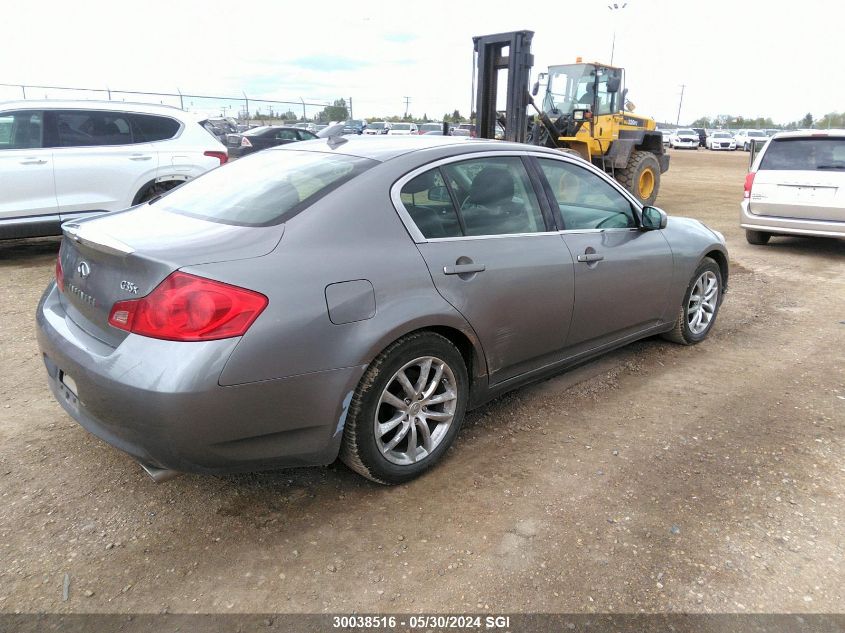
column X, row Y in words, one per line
column 728, row 121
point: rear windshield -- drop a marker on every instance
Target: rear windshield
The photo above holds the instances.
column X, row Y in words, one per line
column 807, row 154
column 757, row 134
column 266, row 188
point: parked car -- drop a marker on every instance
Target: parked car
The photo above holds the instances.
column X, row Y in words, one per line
column 795, row 187
column 434, row 126
column 354, row 126
column 721, row 140
column 232, row 347
column 64, row 159
column 744, row 138
column 266, row 136
column 402, row 129
column 666, row 136
column 458, row 131
column 702, row 136
column 220, row 128
column 469, row 127
column 683, row 139
column 377, row 127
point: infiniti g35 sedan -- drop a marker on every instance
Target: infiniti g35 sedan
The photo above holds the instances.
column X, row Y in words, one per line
column 354, row 297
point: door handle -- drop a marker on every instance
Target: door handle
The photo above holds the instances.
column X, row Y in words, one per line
column 33, row 161
column 586, row 258
column 464, row 269
column 140, row 157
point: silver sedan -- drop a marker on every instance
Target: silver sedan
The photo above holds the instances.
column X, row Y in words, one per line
column 353, row 297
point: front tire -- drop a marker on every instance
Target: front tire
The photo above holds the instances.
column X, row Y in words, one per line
column 758, row 238
column 407, row 409
column 641, row 176
column 700, row 306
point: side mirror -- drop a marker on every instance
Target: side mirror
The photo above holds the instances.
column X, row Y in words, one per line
column 438, row 194
column 535, row 88
column 613, row 83
column 654, row 219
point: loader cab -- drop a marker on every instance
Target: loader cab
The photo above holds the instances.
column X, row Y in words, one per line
column 592, row 87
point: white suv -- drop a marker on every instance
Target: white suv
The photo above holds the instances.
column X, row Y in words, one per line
column 796, row 186
column 61, row 160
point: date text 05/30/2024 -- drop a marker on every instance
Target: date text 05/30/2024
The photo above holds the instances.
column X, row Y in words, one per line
column 466, row 622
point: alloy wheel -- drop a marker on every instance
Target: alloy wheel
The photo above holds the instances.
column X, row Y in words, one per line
column 702, row 303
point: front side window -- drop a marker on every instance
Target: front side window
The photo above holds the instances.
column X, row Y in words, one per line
column 21, row 130
column 265, row 188
column 585, row 200
column 84, row 128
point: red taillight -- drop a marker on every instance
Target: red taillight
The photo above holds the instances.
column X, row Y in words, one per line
column 245, row 142
column 749, row 181
column 60, row 274
column 184, row 307
column 221, row 156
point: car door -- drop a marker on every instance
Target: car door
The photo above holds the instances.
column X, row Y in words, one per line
column 26, row 167
column 98, row 164
column 489, row 248
column 623, row 274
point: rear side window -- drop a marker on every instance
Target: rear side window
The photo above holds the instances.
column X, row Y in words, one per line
column 427, row 201
column 265, row 188
column 21, row 130
column 805, row 154
column 85, row 128
column 149, row 128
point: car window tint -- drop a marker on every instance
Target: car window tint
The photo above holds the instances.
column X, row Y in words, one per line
column 495, row 196
column 149, row 128
column 428, row 203
column 286, row 135
column 265, row 188
column 585, row 200
column 82, row 128
column 21, row 130
column 805, row 154
column 306, row 136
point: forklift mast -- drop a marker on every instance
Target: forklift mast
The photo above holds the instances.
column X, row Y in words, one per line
column 518, row 61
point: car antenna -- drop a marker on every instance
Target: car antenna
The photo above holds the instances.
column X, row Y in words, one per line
column 334, row 134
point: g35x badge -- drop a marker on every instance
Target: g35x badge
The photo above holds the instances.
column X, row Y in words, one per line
column 128, row 286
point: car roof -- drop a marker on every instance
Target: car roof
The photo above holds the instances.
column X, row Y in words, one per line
column 834, row 132
column 384, row 148
column 94, row 104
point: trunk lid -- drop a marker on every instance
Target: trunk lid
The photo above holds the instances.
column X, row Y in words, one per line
column 126, row 255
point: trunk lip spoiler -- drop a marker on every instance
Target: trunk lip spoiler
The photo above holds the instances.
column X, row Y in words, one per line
column 96, row 240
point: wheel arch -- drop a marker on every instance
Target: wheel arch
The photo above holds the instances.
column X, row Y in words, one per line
column 722, row 260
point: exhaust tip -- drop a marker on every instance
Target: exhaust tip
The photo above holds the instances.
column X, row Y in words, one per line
column 159, row 475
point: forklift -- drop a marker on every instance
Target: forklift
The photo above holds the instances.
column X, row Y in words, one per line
column 583, row 111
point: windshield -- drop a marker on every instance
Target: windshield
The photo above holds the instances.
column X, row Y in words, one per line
column 805, row 154
column 376, row 125
column 265, row 188
column 688, row 132
column 401, row 126
column 572, row 86
column 757, row 134
column 722, row 135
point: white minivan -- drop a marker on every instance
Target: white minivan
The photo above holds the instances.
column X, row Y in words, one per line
column 796, row 186
column 61, row 160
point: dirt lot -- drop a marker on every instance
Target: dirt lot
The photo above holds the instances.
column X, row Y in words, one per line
column 659, row 478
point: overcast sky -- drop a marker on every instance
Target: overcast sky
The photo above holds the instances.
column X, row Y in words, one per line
column 740, row 57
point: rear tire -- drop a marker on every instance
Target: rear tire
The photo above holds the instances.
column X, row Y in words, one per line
column 698, row 311
column 758, row 238
column 388, row 436
column 641, row 177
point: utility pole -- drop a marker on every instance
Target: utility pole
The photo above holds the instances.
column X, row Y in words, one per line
column 680, row 103
column 350, row 108
column 407, row 101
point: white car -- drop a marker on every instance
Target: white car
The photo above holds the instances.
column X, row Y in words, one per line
column 402, row 129
column 684, row 138
column 61, row 160
column 796, row 186
column 721, row 140
column 744, row 138
column 666, row 135
column 377, row 127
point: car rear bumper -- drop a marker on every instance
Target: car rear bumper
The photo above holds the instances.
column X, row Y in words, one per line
column 160, row 401
column 789, row 226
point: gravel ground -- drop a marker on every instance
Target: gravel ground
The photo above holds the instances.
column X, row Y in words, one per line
column 658, row 478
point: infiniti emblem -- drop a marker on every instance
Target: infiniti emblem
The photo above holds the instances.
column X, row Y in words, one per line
column 83, row 269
